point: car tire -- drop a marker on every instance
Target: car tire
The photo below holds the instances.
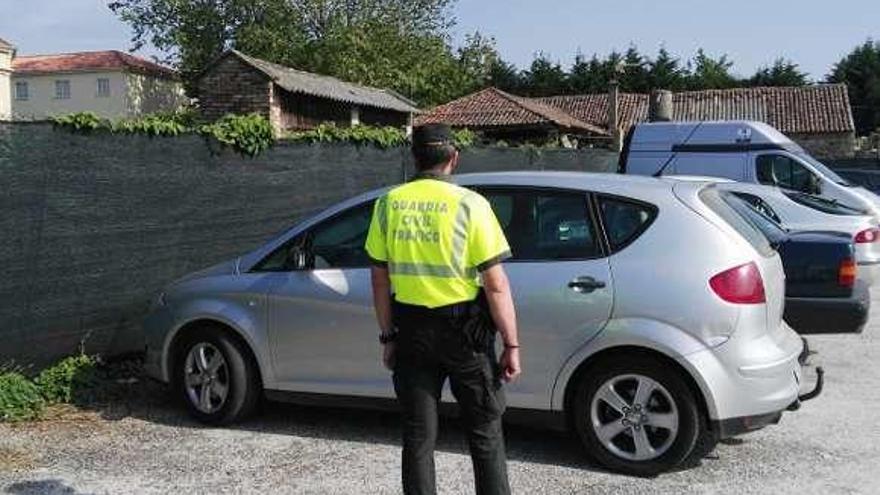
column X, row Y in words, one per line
column 216, row 376
column 644, row 437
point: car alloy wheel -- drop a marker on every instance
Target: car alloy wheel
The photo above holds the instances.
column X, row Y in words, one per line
column 634, row 417
column 206, row 377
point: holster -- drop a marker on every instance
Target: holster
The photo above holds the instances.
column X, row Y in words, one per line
column 477, row 324
column 472, row 318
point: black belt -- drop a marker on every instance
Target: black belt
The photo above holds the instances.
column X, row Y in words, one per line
column 448, row 311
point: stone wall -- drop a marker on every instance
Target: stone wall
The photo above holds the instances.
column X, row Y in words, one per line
column 93, row 226
column 827, row 146
column 232, row 86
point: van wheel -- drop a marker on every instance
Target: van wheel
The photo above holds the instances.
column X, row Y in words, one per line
column 636, row 415
column 216, row 376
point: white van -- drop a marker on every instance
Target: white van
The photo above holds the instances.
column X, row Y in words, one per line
column 743, row 151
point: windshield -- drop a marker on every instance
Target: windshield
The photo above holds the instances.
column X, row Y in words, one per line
column 825, row 205
column 771, row 230
column 824, row 170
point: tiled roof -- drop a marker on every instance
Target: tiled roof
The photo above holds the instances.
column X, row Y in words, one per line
column 88, row 62
column 821, row 108
column 492, row 107
column 297, row 81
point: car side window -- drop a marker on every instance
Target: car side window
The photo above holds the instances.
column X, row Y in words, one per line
column 624, row 220
column 337, row 242
column 545, row 225
column 784, row 172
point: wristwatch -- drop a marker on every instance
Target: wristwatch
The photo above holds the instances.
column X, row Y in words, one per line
column 387, row 337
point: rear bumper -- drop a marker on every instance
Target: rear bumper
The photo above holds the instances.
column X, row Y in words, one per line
column 749, row 380
column 731, row 427
column 808, row 315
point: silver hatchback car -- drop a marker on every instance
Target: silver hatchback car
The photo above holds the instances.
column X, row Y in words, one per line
column 650, row 317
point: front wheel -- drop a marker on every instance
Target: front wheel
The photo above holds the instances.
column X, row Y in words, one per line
column 636, row 415
column 216, row 377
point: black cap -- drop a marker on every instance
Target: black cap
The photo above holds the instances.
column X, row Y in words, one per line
column 431, row 135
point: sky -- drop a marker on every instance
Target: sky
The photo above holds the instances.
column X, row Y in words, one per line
column 812, row 33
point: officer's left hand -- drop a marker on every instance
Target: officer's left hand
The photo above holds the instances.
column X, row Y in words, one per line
column 510, row 367
column 388, row 355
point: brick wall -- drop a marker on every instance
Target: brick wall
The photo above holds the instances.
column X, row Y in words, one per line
column 93, row 226
column 827, row 146
column 232, row 86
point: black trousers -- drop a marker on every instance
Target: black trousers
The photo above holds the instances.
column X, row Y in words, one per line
column 432, row 347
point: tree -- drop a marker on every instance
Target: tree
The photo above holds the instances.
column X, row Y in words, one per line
column 782, row 73
column 544, row 77
column 505, row 76
column 665, row 72
column 711, row 73
column 399, row 44
column 634, row 77
column 860, row 71
column 586, row 76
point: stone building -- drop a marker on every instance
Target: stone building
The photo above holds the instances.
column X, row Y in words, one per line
column 110, row 83
column 818, row 117
column 293, row 99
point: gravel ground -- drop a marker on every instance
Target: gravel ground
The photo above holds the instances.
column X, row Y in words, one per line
column 146, row 444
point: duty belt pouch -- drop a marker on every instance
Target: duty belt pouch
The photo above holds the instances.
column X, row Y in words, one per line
column 478, row 326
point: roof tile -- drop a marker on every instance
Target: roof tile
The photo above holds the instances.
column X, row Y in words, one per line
column 88, row 62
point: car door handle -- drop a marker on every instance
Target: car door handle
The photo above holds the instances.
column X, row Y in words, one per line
column 585, row 285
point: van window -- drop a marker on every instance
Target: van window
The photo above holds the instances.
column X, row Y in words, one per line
column 785, row 172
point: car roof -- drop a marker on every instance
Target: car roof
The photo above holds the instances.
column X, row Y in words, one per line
column 593, row 181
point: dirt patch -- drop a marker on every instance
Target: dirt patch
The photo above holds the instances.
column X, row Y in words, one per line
column 12, row 460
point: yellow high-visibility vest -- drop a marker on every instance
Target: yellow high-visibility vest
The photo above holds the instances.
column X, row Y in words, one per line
column 435, row 237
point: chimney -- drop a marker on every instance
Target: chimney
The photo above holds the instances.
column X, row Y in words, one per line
column 660, row 106
column 614, row 114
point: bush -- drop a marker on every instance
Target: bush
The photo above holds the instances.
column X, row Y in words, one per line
column 248, row 134
column 380, row 137
column 83, row 122
column 159, row 124
column 67, row 379
column 20, row 398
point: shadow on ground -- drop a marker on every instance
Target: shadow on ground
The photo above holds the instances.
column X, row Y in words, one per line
column 124, row 392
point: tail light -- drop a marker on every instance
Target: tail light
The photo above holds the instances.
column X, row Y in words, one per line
column 740, row 285
column 868, row 236
column 846, row 276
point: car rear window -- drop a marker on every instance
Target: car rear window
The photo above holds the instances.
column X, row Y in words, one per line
column 713, row 198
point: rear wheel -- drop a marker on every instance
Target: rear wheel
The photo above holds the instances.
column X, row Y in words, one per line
column 637, row 415
column 216, row 376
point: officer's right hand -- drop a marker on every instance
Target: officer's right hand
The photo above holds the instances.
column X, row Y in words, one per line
column 510, row 367
column 388, row 355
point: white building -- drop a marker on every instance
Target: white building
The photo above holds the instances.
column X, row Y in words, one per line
column 111, row 84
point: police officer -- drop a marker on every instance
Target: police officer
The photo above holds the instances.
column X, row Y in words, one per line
column 432, row 243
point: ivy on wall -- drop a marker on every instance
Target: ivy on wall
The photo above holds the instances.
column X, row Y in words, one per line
column 249, row 134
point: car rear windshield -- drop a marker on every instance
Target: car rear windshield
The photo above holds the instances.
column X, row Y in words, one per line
column 824, row 205
column 714, row 199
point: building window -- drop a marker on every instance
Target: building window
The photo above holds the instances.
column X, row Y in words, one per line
column 62, row 90
column 21, row 90
column 103, row 89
